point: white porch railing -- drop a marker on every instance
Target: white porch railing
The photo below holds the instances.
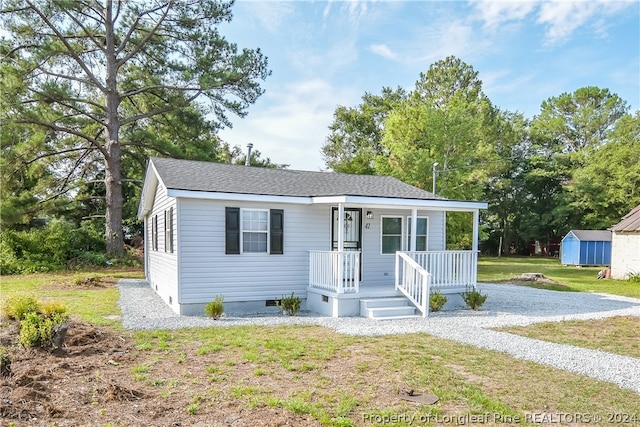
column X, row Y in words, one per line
column 337, row 271
column 413, row 281
column 449, row 269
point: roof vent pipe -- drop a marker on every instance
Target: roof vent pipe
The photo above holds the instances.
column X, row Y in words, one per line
column 247, row 162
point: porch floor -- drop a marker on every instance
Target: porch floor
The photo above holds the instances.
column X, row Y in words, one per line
column 365, row 291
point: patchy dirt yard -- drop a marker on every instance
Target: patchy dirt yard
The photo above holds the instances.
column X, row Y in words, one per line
column 91, row 381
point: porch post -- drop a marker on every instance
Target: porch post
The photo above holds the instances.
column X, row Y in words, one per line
column 414, row 229
column 474, row 246
column 340, row 227
column 340, row 266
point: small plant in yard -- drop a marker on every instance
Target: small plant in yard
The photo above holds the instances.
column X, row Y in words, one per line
column 473, row 298
column 17, row 306
column 634, row 278
column 290, row 305
column 51, row 308
column 86, row 281
column 37, row 330
column 215, row 308
column 436, row 301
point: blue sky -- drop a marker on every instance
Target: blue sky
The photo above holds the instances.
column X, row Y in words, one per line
column 328, row 53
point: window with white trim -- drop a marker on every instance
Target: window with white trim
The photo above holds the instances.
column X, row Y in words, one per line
column 422, row 233
column 168, row 230
column 255, row 230
column 154, row 233
column 391, row 234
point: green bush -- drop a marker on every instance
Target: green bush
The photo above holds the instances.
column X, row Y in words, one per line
column 17, row 306
column 38, row 331
column 290, row 305
column 634, row 277
column 473, row 298
column 49, row 248
column 215, row 308
column 51, row 308
column 436, row 301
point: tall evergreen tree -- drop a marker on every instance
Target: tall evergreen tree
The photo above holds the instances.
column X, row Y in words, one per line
column 84, row 73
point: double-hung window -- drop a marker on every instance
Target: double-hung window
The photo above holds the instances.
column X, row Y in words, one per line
column 168, row 230
column 391, row 234
column 154, row 233
column 258, row 231
column 395, row 238
column 255, row 230
column 421, row 233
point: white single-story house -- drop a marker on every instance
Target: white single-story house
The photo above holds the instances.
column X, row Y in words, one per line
column 625, row 246
column 347, row 245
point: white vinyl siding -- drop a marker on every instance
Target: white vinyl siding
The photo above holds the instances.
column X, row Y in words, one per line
column 206, row 271
column 378, row 268
column 163, row 266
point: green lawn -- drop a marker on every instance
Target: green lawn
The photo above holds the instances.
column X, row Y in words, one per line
column 96, row 304
column 570, row 278
column 340, row 380
column 614, row 335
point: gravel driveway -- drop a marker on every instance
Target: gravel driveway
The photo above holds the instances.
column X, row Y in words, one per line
column 507, row 305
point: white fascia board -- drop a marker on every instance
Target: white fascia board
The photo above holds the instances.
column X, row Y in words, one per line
column 238, row 197
column 449, row 205
column 147, row 195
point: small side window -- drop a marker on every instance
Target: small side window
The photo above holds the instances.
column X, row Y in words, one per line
column 154, row 233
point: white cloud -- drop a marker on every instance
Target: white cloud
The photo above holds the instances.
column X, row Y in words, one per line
column 271, row 15
column 290, row 125
column 383, row 50
column 561, row 18
column 495, row 13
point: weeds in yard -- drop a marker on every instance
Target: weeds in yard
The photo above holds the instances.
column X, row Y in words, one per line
column 215, row 308
column 87, row 281
column 290, row 305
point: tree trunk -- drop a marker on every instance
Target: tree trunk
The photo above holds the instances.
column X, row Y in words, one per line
column 113, row 182
column 113, row 159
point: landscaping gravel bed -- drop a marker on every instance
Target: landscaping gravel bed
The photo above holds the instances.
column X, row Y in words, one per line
column 507, row 305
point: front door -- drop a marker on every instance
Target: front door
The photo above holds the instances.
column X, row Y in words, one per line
column 352, row 231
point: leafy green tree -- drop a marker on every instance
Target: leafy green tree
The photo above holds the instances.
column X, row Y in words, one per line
column 608, row 185
column 356, row 133
column 86, row 73
column 579, row 120
column 450, row 121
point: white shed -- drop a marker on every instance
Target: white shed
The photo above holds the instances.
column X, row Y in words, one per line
column 253, row 235
column 625, row 246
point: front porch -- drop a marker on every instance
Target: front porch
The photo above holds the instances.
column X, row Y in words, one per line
column 335, row 283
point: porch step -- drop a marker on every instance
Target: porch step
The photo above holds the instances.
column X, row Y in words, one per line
column 387, row 308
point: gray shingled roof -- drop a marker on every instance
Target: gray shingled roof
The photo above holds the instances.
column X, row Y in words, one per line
column 593, row 235
column 630, row 222
column 224, row 178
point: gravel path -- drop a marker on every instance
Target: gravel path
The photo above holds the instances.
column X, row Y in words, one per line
column 506, row 305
